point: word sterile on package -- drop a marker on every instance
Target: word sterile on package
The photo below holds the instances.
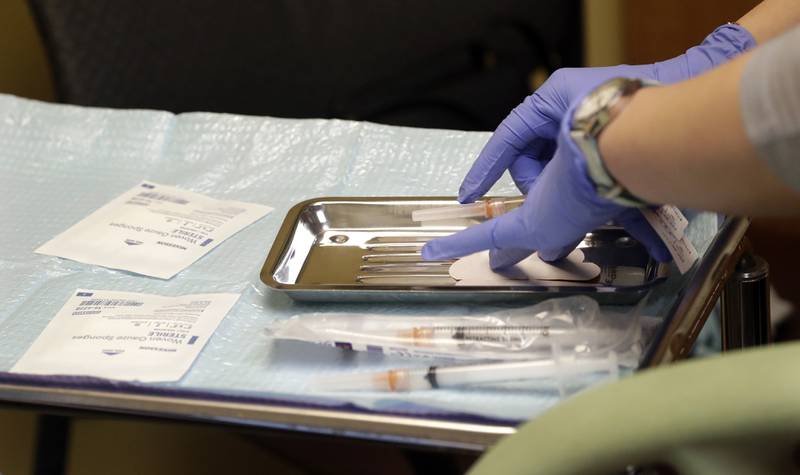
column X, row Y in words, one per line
column 126, row 335
column 153, row 230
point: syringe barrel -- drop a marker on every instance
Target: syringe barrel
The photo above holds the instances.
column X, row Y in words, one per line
column 488, row 208
column 472, row 210
column 507, row 337
column 450, row 376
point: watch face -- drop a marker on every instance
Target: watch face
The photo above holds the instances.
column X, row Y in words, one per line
column 599, row 99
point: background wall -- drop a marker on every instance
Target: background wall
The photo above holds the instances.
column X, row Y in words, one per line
column 615, row 31
column 656, row 30
column 23, row 63
column 603, row 36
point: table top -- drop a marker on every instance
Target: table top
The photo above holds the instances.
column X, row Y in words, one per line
column 242, row 378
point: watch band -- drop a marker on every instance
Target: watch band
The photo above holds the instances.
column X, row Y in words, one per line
column 593, row 114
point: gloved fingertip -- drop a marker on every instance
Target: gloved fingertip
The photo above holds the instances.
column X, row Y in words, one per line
column 467, row 194
column 467, row 241
column 430, row 251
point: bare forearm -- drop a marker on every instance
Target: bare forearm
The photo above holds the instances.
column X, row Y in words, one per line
column 770, row 18
column 685, row 144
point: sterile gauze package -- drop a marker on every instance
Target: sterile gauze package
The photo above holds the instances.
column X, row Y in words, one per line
column 153, row 230
column 60, row 163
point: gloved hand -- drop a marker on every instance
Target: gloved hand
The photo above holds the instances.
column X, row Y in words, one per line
column 525, row 140
column 560, row 208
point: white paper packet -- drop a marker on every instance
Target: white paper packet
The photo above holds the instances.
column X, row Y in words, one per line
column 126, row 335
column 670, row 224
column 153, row 230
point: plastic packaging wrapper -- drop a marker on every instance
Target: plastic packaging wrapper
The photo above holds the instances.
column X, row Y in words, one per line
column 564, row 344
column 553, row 328
column 59, row 163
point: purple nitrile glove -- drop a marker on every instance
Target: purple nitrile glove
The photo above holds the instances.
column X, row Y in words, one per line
column 560, row 208
column 525, row 140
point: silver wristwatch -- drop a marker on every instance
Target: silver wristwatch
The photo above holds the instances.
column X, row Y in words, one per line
column 593, row 114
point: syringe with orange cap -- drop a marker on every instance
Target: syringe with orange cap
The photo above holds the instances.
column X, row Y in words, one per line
column 487, row 208
column 435, row 377
column 510, row 336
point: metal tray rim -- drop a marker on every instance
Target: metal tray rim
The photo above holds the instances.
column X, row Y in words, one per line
column 290, row 223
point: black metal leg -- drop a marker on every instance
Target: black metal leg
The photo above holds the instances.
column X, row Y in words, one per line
column 52, row 441
column 745, row 304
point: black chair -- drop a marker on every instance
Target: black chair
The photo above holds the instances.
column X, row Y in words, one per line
column 448, row 63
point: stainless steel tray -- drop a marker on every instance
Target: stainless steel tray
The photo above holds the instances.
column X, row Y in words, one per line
column 368, row 249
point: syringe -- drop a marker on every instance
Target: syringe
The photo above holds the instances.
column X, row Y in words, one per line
column 435, row 377
column 511, row 336
column 488, row 208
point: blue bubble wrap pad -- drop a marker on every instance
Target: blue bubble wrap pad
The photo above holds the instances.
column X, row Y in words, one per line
column 60, row 163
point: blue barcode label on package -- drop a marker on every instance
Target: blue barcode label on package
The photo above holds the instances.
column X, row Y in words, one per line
column 111, row 303
column 162, row 197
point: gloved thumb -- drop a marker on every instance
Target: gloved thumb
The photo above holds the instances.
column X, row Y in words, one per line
column 638, row 227
column 503, row 258
column 550, row 255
